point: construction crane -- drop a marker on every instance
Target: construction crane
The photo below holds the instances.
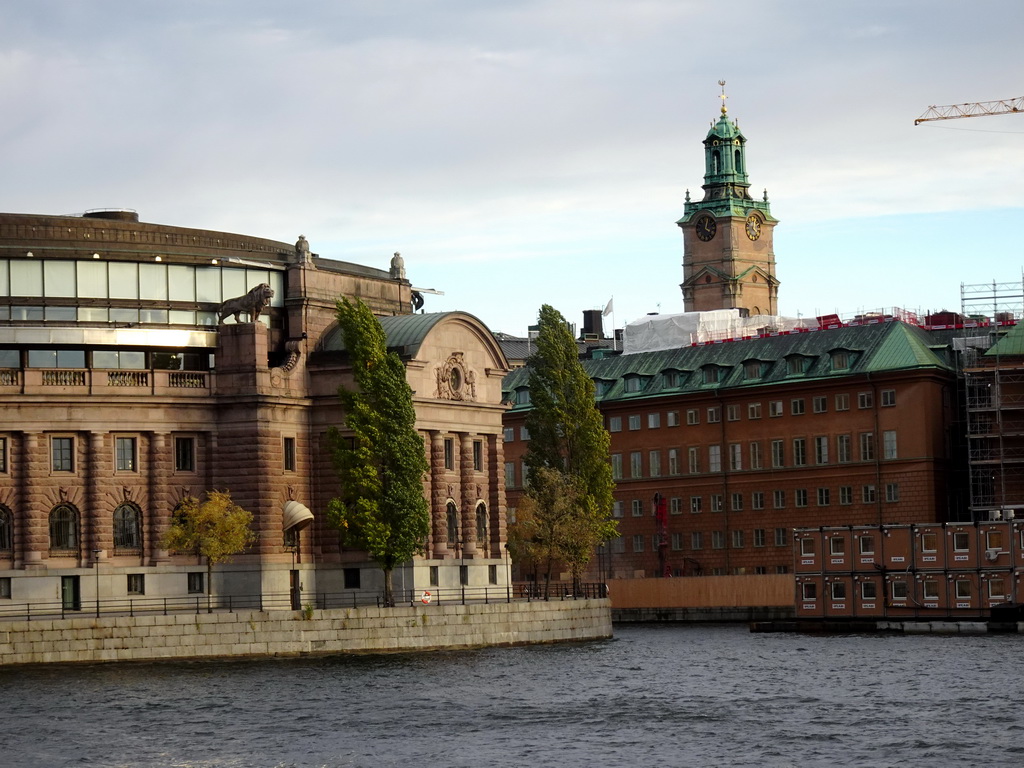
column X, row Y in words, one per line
column 975, row 109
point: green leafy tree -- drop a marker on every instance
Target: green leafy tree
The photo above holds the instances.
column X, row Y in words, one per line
column 567, row 436
column 380, row 461
column 215, row 529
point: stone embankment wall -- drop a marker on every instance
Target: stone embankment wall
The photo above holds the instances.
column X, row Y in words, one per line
column 288, row 633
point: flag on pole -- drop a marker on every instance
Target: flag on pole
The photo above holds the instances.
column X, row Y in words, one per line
column 608, row 308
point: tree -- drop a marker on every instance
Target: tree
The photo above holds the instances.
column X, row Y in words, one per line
column 215, row 529
column 573, row 500
column 380, row 461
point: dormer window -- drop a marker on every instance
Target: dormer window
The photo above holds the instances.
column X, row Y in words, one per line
column 797, row 364
column 840, row 359
column 601, row 387
column 634, row 383
column 523, row 396
column 755, row 369
column 713, row 374
column 672, row 379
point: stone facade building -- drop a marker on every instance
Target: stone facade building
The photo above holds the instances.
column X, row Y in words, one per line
column 130, row 379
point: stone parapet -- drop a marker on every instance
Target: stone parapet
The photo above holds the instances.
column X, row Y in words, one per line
column 288, row 633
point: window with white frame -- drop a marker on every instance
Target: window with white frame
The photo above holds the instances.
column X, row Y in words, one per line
column 673, row 461
column 838, row 590
column 800, row 497
column 653, row 420
column 843, row 402
column 867, row 446
column 638, row 542
column 797, row 406
column 735, row 457
column 824, row 497
column 961, row 541
column 774, row 408
column 807, row 548
column 781, row 537
column 754, row 411
column 867, row 494
column 799, row 452
column 696, row 504
column 868, row 590
column 672, row 418
column 778, row 453
column 866, row 542
column 888, row 398
column 756, row 461
column 898, row 590
column 696, row 541
column 929, row 541
column 846, row 494
column 638, row 507
column 714, row 414
column 889, row 444
column 616, row 466
column 614, row 423
column 677, row 541
column 634, row 422
column 62, row 454
column 865, row 400
column 716, row 502
column 819, row 404
column 759, row 537
column 714, row 458
column 693, row 454
column 757, row 500
column 692, row 416
column 524, row 433
column 962, row 589
column 844, row 449
column 892, row 492
column 636, row 464
column 717, row 540
column 821, row 450
column 737, row 502
column 996, row 588
column 654, row 463
column 675, row 505
column 808, row 591
column 737, row 539
column 837, row 545
column 732, row 412
column 779, row 499
column 617, row 508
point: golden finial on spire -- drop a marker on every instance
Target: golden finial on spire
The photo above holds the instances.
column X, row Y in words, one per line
column 723, row 96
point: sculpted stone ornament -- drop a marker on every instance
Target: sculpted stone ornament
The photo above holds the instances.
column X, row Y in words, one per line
column 454, row 381
column 397, row 266
column 252, row 304
column 302, row 254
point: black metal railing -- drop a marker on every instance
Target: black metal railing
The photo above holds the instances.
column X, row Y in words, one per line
column 352, row 598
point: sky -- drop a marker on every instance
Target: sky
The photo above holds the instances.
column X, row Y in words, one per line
column 528, row 152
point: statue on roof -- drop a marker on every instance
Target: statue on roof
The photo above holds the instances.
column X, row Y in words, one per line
column 398, row 266
column 302, row 254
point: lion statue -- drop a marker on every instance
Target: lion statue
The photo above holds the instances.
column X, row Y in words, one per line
column 253, row 304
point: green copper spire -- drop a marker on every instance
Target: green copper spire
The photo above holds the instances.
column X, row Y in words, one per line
column 726, row 186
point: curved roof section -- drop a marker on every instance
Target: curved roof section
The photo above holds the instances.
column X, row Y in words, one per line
column 406, row 333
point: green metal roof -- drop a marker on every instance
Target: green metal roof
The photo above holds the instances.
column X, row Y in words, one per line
column 1009, row 345
column 887, row 346
column 405, row 333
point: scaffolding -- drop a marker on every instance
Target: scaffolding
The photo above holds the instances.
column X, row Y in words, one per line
column 993, row 382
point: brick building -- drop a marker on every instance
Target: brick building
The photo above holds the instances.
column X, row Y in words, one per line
column 743, row 441
column 123, row 390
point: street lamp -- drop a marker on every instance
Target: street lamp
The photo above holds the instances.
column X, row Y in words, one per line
column 96, row 566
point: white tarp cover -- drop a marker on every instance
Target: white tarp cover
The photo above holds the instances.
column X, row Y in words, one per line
column 656, row 332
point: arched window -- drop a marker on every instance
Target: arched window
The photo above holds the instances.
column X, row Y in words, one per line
column 716, row 161
column 481, row 524
column 453, row 523
column 739, row 163
column 127, row 528
column 63, row 530
column 6, row 530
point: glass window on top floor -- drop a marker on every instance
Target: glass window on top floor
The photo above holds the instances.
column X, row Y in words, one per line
column 10, row 358
column 123, row 359
column 179, row 361
column 56, row 358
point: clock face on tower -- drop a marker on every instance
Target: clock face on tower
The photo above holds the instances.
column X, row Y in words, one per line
column 753, row 227
column 706, row 228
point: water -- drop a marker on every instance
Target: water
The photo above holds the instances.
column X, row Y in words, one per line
column 653, row 696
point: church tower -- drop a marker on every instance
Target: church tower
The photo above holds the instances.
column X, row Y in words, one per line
column 728, row 260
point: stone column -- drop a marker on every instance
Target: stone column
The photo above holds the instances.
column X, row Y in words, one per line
column 35, row 533
column 95, row 518
column 158, row 513
column 496, row 479
column 467, row 483
column 438, row 495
